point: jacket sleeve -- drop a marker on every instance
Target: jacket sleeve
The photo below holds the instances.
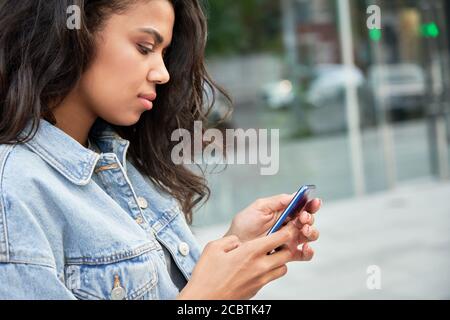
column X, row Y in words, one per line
column 31, row 282
column 27, row 267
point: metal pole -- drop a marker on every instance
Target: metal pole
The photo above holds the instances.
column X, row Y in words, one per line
column 441, row 81
column 384, row 127
column 289, row 32
column 290, row 40
column 438, row 96
column 430, row 102
column 352, row 107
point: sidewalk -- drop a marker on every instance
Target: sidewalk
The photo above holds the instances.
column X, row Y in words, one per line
column 404, row 232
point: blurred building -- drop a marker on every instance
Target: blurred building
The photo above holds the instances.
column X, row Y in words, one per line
column 402, row 98
column 414, row 46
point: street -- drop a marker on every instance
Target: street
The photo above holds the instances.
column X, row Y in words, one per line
column 404, row 233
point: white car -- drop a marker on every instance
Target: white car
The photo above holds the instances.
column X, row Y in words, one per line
column 279, row 94
column 397, row 87
column 330, row 83
column 326, row 96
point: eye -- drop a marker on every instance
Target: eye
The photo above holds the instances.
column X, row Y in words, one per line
column 144, row 50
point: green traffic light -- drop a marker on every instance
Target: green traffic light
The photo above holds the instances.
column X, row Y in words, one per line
column 433, row 30
column 430, row 30
column 375, row 34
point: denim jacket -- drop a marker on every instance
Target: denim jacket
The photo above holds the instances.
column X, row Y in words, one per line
column 79, row 224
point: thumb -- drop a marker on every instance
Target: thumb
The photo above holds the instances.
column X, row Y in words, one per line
column 275, row 203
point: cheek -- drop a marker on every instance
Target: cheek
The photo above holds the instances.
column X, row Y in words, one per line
column 119, row 64
column 113, row 80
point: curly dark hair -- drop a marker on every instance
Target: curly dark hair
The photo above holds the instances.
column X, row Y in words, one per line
column 41, row 60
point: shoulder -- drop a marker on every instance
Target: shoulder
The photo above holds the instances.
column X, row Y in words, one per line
column 21, row 169
column 19, row 159
column 22, row 237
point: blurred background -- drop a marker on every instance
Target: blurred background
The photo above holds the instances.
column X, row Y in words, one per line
column 363, row 114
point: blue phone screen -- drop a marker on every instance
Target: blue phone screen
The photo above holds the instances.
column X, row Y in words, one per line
column 299, row 201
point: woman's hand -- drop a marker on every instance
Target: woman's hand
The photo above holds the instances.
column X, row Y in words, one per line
column 254, row 221
column 231, row 269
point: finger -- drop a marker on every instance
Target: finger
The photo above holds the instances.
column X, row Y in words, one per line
column 310, row 233
column 268, row 243
column 314, row 205
column 288, row 254
column 287, row 220
column 274, row 203
column 273, row 275
column 229, row 243
column 311, row 207
column 294, row 216
column 301, row 213
column 306, row 218
column 280, row 257
column 306, row 254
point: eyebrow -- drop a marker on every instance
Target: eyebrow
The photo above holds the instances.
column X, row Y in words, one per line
column 151, row 31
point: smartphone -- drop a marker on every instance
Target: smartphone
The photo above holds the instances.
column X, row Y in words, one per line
column 301, row 198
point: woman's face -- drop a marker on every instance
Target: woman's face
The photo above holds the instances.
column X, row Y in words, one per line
column 128, row 62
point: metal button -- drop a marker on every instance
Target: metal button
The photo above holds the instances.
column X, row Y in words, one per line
column 139, row 220
column 183, row 248
column 117, row 293
column 142, row 202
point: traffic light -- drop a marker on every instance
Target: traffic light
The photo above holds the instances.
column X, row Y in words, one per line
column 375, row 34
column 429, row 30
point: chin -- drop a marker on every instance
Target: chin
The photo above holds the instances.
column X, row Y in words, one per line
column 125, row 121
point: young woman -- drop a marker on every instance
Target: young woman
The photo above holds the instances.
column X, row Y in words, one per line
column 92, row 207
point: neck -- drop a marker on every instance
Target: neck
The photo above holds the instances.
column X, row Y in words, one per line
column 74, row 118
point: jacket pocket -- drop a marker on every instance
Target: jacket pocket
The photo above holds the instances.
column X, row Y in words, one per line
column 129, row 279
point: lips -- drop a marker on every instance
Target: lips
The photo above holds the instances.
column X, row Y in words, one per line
column 146, row 103
column 150, row 96
column 147, row 100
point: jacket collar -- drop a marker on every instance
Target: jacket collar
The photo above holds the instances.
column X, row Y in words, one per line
column 68, row 156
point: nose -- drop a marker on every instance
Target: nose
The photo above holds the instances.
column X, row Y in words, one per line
column 159, row 74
